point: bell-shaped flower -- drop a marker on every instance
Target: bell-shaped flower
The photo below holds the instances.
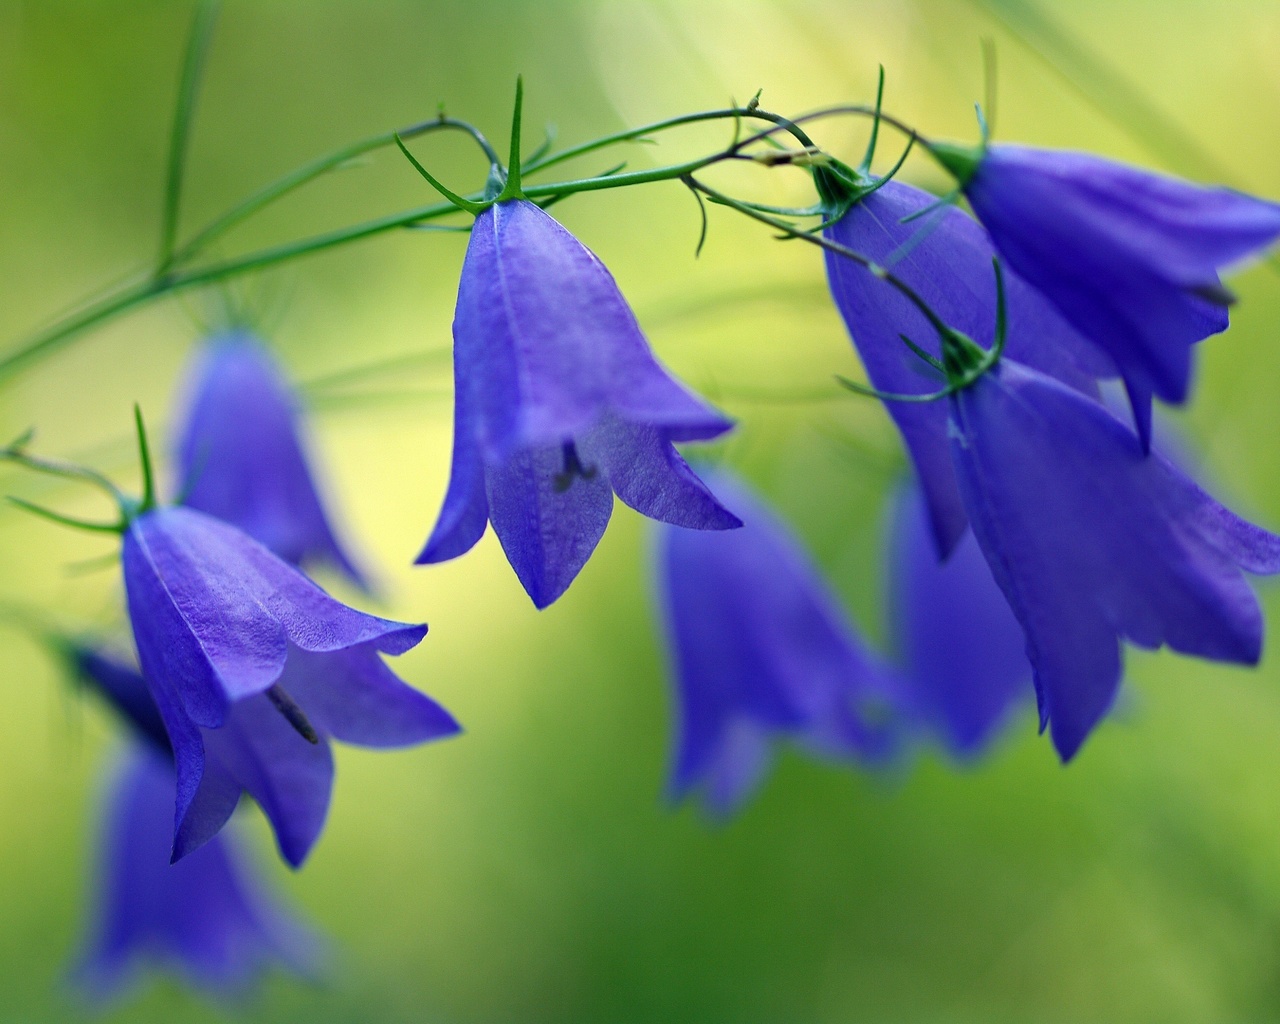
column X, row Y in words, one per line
column 253, row 668
column 961, row 652
column 206, row 919
column 242, row 457
column 945, row 256
column 761, row 651
column 1131, row 258
column 558, row 405
column 1094, row 543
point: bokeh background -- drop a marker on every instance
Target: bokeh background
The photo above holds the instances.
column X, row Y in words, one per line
column 529, row 870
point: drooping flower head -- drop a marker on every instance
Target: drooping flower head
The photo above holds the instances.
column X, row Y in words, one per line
column 961, row 652
column 1131, row 258
column 945, row 257
column 1093, row 543
column 558, row 405
column 204, row 918
column 761, row 651
column 242, row 457
column 253, row 668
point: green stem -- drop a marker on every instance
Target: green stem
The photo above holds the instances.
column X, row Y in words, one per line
column 309, row 172
column 142, row 292
column 189, row 86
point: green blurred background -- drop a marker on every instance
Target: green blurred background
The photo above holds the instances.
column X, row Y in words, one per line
column 529, row 870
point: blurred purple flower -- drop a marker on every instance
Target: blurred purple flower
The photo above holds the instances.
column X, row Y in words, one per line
column 253, row 667
column 1093, row 543
column 558, row 405
column 1130, row 257
column 961, row 651
column 761, row 650
column 242, row 458
column 203, row 919
column 946, row 257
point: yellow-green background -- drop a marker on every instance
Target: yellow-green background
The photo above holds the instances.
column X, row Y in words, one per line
column 529, row 871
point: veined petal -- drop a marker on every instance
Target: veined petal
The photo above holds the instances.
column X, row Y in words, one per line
column 354, row 697
column 195, row 619
column 1091, row 542
column 1123, row 253
column 289, row 778
column 556, row 333
column 547, row 529
column 947, row 258
column 646, row 472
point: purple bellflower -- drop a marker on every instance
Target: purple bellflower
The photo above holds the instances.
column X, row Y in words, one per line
column 961, row 651
column 761, row 650
column 253, row 668
column 1094, row 543
column 203, row 918
column 558, row 405
column 242, row 457
column 1130, row 257
column 946, row 258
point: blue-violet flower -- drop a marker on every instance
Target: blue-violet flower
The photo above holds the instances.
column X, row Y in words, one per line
column 961, row 651
column 204, row 919
column 558, row 405
column 1093, row 543
column 761, row 650
column 253, row 667
column 946, row 258
column 1130, row 257
column 242, row 455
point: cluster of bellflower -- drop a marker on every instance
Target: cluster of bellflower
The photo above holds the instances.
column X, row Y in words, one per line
column 1041, row 532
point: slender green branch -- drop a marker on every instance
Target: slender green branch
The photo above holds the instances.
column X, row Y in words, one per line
column 188, row 88
column 317, row 168
column 139, row 293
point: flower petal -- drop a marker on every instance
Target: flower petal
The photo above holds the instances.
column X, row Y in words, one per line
column 1091, row 542
column 556, row 333
column 960, row 646
column 646, row 471
column 354, row 697
column 465, row 514
column 289, row 778
column 242, row 456
column 947, row 258
column 548, row 531
column 203, row 917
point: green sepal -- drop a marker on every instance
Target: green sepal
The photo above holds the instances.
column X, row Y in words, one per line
column 957, row 159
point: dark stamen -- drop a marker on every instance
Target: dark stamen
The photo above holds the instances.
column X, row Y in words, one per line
column 573, row 468
column 293, row 714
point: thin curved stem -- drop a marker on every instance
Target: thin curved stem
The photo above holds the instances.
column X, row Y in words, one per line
column 316, row 168
column 188, row 88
